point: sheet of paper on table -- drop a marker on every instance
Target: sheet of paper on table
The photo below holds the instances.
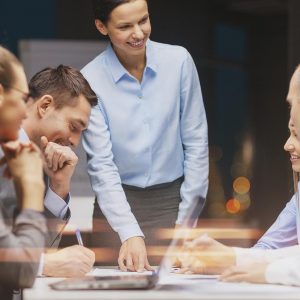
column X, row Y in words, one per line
column 115, row 272
column 171, row 278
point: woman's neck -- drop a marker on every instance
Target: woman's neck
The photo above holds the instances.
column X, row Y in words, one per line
column 134, row 64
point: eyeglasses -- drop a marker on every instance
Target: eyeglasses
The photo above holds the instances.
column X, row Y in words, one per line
column 26, row 96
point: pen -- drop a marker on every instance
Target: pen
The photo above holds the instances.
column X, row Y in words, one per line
column 79, row 238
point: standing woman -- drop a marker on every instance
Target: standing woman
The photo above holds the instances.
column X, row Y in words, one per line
column 147, row 139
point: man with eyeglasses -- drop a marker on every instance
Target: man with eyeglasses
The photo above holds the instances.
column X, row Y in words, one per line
column 58, row 110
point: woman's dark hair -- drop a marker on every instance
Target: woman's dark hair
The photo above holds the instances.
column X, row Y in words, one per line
column 7, row 63
column 103, row 8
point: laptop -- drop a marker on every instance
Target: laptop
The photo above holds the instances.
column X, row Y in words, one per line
column 134, row 281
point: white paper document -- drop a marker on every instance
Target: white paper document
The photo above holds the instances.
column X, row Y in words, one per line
column 170, row 278
column 115, row 272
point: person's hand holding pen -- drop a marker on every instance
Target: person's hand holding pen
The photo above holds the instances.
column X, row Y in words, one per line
column 72, row 261
column 78, row 236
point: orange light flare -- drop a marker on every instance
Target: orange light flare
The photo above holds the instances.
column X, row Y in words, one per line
column 244, row 200
column 241, row 185
column 233, row 206
column 213, row 232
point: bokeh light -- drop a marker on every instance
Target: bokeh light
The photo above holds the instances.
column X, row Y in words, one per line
column 233, row 206
column 241, row 185
column 244, row 200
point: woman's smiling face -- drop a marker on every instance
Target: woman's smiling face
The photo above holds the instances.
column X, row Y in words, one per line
column 128, row 28
column 292, row 146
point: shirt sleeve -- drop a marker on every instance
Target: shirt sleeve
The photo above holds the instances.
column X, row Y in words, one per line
column 194, row 139
column 55, row 204
column 248, row 256
column 105, row 178
column 284, row 271
column 283, row 232
column 21, row 248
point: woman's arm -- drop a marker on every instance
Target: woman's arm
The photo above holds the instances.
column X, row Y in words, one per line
column 194, row 139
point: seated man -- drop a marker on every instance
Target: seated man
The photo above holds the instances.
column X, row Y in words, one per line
column 21, row 244
column 57, row 113
column 276, row 255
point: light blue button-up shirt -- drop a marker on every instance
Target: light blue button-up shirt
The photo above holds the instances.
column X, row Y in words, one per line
column 145, row 133
column 285, row 231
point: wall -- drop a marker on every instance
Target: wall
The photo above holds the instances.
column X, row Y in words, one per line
column 262, row 62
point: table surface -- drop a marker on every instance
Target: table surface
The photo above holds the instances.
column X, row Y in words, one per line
column 178, row 289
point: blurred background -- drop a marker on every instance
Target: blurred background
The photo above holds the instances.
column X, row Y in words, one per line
column 245, row 52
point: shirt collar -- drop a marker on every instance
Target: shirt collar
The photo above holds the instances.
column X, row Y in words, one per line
column 152, row 62
column 118, row 70
column 23, row 137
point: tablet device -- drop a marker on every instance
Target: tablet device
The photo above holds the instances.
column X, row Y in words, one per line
column 112, row 282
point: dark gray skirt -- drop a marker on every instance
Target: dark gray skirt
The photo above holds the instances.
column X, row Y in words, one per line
column 155, row 207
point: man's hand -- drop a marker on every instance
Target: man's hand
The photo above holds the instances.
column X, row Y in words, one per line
column 74, row 261
column 133, row 255
column 60, row 166
column 205, row 255
column 254, row 273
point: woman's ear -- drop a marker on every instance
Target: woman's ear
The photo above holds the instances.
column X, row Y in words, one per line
column 44, row 104
column 101, row 27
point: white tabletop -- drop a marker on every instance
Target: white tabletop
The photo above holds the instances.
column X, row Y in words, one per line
column 209, row 289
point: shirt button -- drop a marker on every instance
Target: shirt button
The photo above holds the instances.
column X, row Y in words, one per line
column 140, row 96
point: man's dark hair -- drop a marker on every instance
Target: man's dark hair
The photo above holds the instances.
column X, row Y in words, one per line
column 103, row 8
column 65, row 84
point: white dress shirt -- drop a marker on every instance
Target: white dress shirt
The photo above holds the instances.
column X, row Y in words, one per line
column 283, row 264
